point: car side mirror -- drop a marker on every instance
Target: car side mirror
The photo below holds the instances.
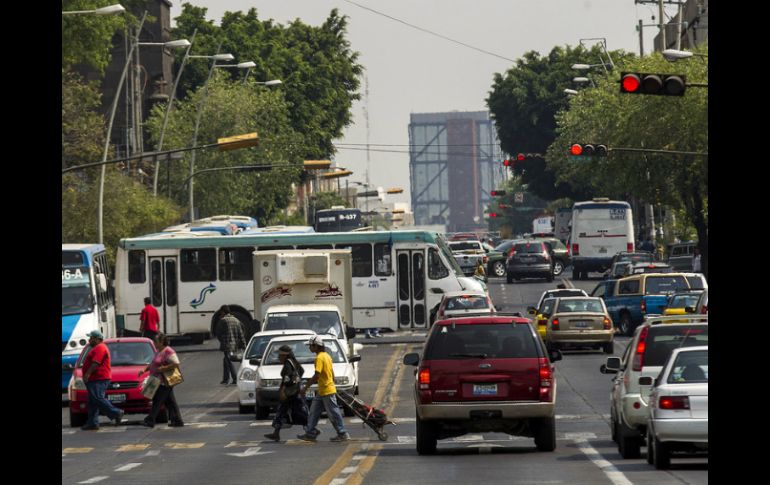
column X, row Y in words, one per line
column 412, row 359
column 612, row 366
column 645, row 381
column 354, row 358
column 532, row 310
column 555, row 355
column 255, row 361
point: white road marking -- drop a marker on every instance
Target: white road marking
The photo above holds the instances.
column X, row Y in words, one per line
column 200, row 425
column 469, row 437
column 616, row 476
column 338, row 481
column 127, row 467
column 579, row 436
column 348, row 470
column 250, row 452
column 152, row 453
column 68, row 431
column 95, row 479
column 195, row 417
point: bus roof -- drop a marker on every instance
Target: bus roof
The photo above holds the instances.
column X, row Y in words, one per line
column 278, row 230
column 89, row 248
column 257, row 239
column 609, row 204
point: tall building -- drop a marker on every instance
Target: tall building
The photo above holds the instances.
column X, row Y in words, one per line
column 454, row 162
column 691, row 31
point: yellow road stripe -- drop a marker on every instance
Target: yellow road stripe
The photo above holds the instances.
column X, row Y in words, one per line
column 364, row 467
column 379, row 395
column 77, row 450
column 133, row 447
column 181, row 446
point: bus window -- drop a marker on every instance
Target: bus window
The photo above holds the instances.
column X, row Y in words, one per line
column 436, row 269
column 314, row 246
column 362, row 258
column 235, row 264
column 137, row 267
column 382, row 261
column 274, row 248
column 198, row 265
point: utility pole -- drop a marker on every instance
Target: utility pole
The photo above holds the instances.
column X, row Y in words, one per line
column 662, row 25
column 641, row 40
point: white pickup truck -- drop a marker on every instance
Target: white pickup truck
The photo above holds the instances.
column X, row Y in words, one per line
column 468, row 254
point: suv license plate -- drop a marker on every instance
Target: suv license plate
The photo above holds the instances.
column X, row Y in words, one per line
column 116, row 397
column 484, row 389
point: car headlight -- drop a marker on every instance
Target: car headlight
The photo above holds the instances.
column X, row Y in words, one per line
column 248, row 374
column 79, row 384
column 265, row 383
column 341, row 381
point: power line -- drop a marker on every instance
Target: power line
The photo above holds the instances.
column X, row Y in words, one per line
column 429, row 31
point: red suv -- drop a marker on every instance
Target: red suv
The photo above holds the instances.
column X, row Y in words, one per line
column 484, row 374
column 128, row 355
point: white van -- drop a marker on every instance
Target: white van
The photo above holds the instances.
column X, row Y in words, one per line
column 600, row 229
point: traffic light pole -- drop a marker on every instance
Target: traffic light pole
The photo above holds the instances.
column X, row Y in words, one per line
column 648, row 150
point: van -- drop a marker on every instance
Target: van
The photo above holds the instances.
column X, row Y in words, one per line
column 680, row 255
column 601, row 228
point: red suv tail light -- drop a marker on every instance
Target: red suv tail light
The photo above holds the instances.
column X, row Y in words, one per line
column 424, row 378
column 546, row 380
column 674, row 402
column 640, row 347
column 630, row 247
column 575, row 250
column 607, row 323
column 555, row 324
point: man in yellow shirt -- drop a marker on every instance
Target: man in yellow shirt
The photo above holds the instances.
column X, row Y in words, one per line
column 326, row 396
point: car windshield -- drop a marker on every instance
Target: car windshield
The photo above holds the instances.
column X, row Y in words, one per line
column 302, row 351
column 490, row 340
column 690, row 367
column 592, row 305
column 665, row 284
column 125, row 353
column 662, row 340
column 563, row 293
column 257, row 346
column 321, row 322
column 467, row 302
column 533, row 248
column 504, row 246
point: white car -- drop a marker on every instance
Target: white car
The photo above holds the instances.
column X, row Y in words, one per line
column 464, row 303
column 268, row 378
column 679, row 406
column 247, row 374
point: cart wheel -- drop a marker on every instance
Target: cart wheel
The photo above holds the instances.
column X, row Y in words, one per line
column 382, row 435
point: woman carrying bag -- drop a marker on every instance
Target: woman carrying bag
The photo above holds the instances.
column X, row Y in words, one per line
column 288, row 394
column 163, row 364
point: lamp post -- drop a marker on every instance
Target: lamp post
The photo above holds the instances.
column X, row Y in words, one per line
column 109, row 10
column 604, row 47
column 673, row 55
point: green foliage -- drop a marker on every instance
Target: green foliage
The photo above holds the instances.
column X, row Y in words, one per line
column 524, row 103
column 82, row 126
column 325, row 200
column 229, row 109
column 318, row 69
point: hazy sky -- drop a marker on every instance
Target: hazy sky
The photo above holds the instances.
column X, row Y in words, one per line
column 410, row 71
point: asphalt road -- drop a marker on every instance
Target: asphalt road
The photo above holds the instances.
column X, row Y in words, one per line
column 218, row 445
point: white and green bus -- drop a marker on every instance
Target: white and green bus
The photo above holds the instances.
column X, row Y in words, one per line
column 398, row 277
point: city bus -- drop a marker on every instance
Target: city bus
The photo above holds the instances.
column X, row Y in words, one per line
column 338, row 219
column 398, row 276
column 87, row 301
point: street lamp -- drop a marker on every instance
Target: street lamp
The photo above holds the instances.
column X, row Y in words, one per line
column 109, row 10
column 674, row 55
column 571, row 92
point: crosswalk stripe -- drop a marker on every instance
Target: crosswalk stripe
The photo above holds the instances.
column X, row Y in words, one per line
column 95, row 479
column 127, row 467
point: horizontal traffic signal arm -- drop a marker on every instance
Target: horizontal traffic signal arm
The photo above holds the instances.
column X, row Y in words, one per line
column 578, row 149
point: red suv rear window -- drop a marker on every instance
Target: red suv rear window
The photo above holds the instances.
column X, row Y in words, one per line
column 490, row 340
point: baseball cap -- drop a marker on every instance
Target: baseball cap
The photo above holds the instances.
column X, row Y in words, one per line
column 315, row 340
column 95, row 333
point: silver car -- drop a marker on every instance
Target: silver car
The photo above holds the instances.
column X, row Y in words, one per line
column 679, row 406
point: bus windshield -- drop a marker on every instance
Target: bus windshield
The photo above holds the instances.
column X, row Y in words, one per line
column 76, row 296
column 320, row 322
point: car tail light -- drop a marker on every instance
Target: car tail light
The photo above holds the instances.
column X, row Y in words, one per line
column 542, row 322
column 644, row 306
column 555, row 324
column 640, row 347
column 607, row 323
column 674, row 402
column 546, row 380
column 630, row 247
column 575, row 250
column 424, row 378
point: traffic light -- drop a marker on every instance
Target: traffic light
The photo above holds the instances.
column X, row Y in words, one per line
column 528, row 156
column 588, row 150
column 497, row 193
column 504, row 206
column 492, row 214
column 645, row 83
column 509, row 163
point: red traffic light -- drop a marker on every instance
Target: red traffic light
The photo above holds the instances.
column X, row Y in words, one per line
column 493, row 214
column 630, row 83
column 659, row 84
column 576, row 149
column 508, row 163
column 497, row 193
column 520, row 157
column 588, row 150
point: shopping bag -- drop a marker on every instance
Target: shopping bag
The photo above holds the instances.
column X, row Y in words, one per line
column 173, row 377
column 149, row 387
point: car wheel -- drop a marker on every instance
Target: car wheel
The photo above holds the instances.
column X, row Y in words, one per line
column 661, row 458
column 545, row 434
column 426, row 438
column 609, row 347
column 245, row 409
column 558, row 268
column 575, row 274
column 629, row 442
column 262, row 412
column 77, row 420
column 198, row 338
column 509, row 278
column 613, row 428
column 626, row 327
column 649, row 446
column 498, row 269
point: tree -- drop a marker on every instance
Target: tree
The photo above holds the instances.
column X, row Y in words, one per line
column 605, row 115
column 325, row 200
column 318, row 69
column 524, row 103
column 231, row 108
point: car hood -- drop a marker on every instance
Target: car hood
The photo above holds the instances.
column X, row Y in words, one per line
column 274, row 371
column 123, row 373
